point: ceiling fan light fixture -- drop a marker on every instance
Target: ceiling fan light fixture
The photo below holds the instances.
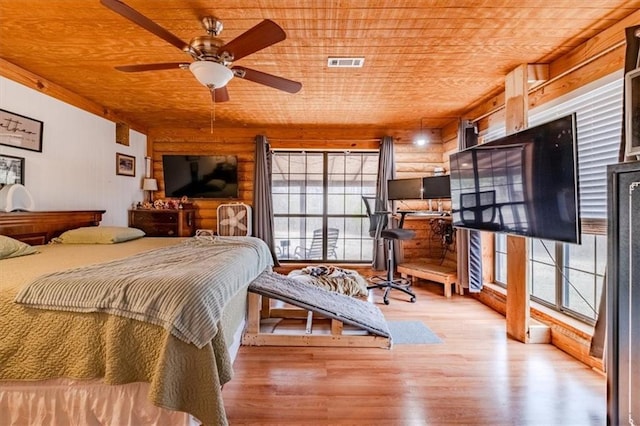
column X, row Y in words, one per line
column 211, row 74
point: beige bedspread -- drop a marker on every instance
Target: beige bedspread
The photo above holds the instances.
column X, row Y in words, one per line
column 38, row 344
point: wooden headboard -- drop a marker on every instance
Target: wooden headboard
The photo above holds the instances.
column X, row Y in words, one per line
column 37, row 228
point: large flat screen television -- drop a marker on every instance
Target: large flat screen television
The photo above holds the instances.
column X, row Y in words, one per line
column 404, row 189
column 200, row 176
column 523, row 184
column 436, row 187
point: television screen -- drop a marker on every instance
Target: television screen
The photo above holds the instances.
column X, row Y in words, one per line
column 404, row 189
column 200, row 176
column 523, row 184
column 435, row 187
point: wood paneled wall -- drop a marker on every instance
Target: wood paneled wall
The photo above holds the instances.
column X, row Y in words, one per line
column 411, row 160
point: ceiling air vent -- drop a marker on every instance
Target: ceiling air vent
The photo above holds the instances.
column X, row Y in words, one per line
column 345, row 62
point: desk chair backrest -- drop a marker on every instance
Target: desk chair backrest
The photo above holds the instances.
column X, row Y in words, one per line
column 377, row 221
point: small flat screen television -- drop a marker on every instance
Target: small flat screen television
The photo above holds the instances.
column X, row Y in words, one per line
column 436, row 187
column 404, row 189
column 523, row 184
column 200, row 176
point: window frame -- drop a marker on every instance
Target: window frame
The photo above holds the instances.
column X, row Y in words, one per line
column 325, row 216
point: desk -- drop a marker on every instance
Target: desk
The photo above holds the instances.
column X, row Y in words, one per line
column 423, row 256
column 421, row 213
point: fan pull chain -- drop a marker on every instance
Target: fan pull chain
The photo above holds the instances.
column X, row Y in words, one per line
column 213, row 107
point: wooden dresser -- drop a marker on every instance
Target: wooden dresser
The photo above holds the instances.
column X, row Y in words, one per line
column 164, row 222
column 38, row 228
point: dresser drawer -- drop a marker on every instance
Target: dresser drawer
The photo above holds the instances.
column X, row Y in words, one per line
column 163, row 223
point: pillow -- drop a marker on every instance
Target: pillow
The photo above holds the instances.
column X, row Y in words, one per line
column 99, row 235
column 14, row 248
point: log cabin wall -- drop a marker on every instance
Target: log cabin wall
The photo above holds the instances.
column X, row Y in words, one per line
column 411, row 160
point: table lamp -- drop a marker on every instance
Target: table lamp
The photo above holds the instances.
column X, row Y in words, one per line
column 149, row 185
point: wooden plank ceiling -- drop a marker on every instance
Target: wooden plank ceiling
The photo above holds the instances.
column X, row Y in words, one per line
column 424, row 60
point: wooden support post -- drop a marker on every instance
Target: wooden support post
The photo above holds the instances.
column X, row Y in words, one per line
column 517, row 289
column 517, row 311
column 253, row 313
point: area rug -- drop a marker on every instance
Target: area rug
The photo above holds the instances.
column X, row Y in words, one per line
column 411, row 333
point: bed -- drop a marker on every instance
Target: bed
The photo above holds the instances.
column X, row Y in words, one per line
column 64, row 367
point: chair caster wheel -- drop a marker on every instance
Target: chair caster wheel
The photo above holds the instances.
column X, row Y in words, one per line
column 386, row 301
column 412, row 300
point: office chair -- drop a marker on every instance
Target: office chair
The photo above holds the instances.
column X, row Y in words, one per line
column 378, row 228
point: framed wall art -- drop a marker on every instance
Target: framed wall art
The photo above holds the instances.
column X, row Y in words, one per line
column 19, row 131
column 11, row 170
column 125, row 164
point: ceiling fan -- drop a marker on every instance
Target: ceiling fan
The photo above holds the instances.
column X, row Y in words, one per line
column 213, row 59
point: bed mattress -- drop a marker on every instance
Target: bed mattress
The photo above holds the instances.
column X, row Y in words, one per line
column 43, row 345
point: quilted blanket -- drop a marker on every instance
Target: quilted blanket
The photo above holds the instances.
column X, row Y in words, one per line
column 180, row 288
column 41, row 344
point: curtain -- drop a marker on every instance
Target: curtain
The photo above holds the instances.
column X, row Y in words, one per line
column 469, row 242
column 386, row 171
column 262, row 201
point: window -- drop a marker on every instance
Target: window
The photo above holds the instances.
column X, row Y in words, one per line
column 568, row 277
column 317, row 201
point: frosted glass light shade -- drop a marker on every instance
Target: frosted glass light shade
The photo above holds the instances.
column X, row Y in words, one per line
column 211, row 74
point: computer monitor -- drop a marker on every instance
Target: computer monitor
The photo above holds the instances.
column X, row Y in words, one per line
column 436, row 187
column 404, row 189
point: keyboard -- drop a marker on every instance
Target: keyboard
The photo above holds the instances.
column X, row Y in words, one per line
column 423, row 213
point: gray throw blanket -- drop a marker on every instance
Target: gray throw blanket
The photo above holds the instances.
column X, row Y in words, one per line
column 182, row 288
column 347, row 309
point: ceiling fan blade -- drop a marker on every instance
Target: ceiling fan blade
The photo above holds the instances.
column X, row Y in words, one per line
column 152, row 67
column 257, row 38
column 146, row 23
column 220, row 95
column 268, row 79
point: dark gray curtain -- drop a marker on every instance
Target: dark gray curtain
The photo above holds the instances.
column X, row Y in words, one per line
column 386, row 171
column 262, row 201
column 469, row 244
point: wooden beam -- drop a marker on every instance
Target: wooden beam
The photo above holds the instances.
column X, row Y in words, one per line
column 517, row 311
column 35, row 82
column 516, row 99
column 537, row 74
column 610, row 40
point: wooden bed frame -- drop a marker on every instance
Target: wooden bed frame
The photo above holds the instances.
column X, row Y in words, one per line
column 38, row 228
column 270, row 322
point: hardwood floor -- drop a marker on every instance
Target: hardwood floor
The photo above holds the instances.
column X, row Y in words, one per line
column 477, row 376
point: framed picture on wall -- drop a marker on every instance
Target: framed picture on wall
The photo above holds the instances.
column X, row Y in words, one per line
column 125, row 164
column 19, row 131
column 11, row 170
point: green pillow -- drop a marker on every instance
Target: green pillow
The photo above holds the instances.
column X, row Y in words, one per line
column 99, row 235
column 14, row 248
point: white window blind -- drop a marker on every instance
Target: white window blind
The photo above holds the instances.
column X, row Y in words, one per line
column 599, row 126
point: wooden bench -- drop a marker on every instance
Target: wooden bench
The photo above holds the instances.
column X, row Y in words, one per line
column 429, row 270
